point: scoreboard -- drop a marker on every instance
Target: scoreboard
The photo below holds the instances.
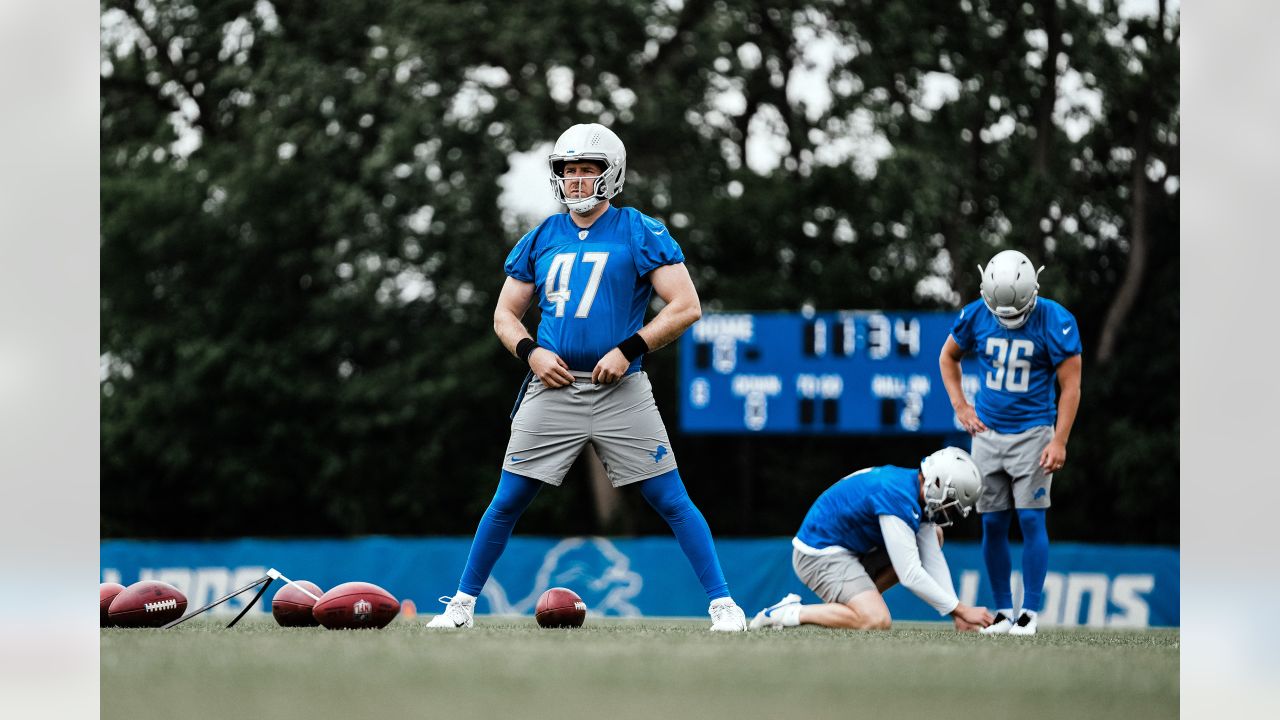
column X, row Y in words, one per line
column 847, row 372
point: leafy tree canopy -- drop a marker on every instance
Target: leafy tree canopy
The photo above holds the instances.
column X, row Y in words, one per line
column 302, row 233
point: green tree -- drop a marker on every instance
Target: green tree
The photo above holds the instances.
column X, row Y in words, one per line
column 302, row 235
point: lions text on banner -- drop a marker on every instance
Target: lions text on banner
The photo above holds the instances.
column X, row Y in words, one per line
column 1087, row 585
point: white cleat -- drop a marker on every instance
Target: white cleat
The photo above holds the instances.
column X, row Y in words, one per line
column 772, row 615
column 457, row 614
column 726, row 616
column 1026, row 625
column 1000, row 627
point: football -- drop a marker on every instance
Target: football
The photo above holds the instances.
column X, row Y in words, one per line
column 149, row 603
column 356, row 605
column 560, row 608
column 292, row 608
column 106, row 593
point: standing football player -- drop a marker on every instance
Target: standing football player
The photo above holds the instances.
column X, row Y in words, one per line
column 592, row 271
column 1024, row 343
column 873, row 529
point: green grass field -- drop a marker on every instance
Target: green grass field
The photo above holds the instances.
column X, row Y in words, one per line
column 618, row 670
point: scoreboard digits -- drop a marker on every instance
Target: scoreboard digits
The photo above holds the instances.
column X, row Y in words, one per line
column 849, row 372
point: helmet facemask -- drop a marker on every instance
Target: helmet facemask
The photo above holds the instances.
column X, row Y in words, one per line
column 599, row 189
column 939, row 499
column 1017, row 318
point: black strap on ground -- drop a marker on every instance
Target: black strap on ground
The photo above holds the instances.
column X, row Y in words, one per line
column 249, row 605
column 264, row 581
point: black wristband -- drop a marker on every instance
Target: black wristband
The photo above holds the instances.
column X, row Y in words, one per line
column 633, row 347
column 526, row 347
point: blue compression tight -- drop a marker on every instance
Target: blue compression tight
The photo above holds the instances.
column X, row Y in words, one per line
column 1035, row 556
column 667, row 495
column 995, row 551
column 512, row 498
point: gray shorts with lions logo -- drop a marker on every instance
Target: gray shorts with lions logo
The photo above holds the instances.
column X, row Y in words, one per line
column 620, row 420
column 1011, row 472
column 839, row 576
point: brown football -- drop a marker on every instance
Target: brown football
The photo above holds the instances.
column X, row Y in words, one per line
column 560, row 608
column 356, row 605
column 292, row 608
column 149, row 603
column 106, row 593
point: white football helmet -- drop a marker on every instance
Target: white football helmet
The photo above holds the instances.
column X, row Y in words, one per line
column 1010, row 284
column 951, row 480
column 591, row 141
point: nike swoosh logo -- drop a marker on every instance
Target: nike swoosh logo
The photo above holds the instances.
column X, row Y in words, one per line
column 515, row 459
column 459, row 624
column 1066, row 330
column 659, row 232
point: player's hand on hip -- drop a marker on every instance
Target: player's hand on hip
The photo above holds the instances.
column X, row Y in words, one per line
column 968, row 418
column 610, row 368
column 550, row 368
column 1054, row 456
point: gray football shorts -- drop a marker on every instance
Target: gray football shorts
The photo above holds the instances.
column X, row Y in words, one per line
column 839, row 576
column 620, row 420
column 1011, row 472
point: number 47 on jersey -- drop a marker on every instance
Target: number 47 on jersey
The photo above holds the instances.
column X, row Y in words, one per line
column 557, row 286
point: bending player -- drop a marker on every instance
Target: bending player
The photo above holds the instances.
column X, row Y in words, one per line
column 1023, row 343
column 873, row 529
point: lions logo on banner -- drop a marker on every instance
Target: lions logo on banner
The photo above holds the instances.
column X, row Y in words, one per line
column 1088, row 585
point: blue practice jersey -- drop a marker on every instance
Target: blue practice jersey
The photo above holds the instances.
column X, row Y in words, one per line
column 591, row 284
column 848, row 513
column 1019, row 367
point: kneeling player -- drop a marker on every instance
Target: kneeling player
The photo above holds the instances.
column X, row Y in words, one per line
column 865, row 533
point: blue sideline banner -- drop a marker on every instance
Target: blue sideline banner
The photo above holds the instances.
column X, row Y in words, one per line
column 1087, row 585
